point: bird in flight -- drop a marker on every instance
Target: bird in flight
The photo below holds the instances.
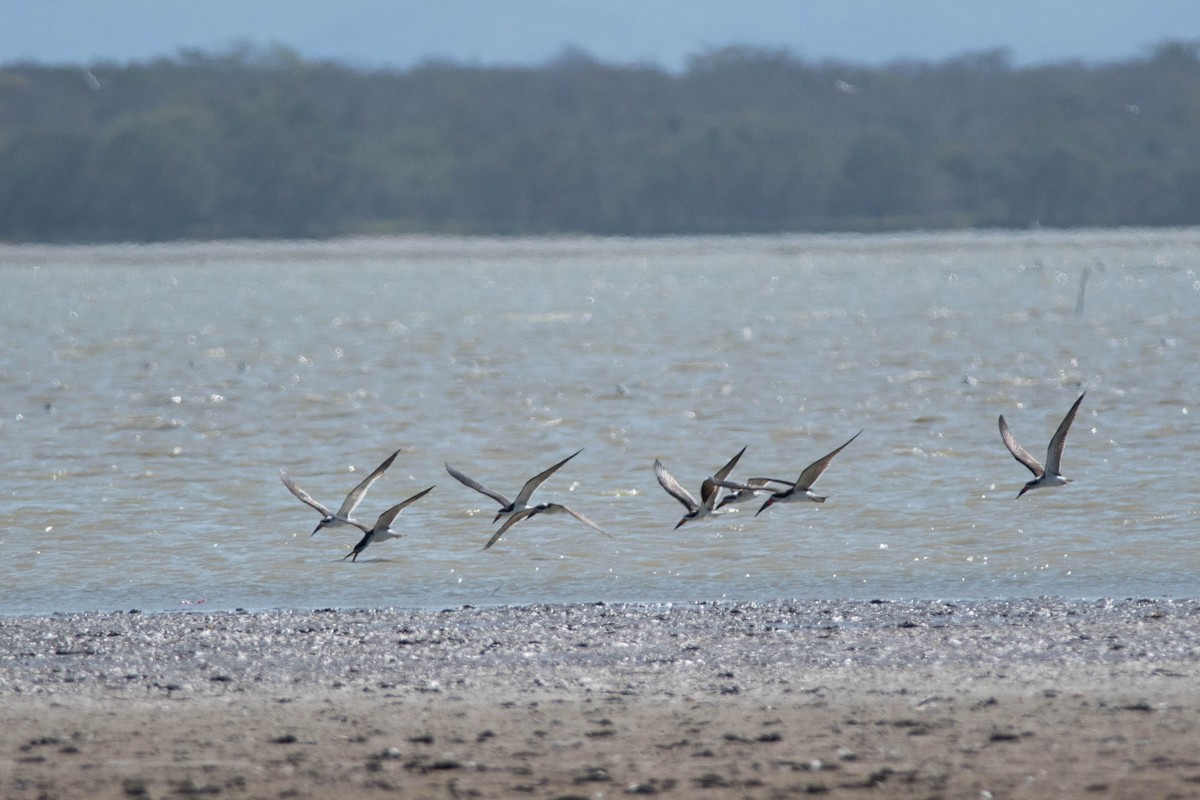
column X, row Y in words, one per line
column 801, row 490
column 521, row 502
column 382, row 529
column 331, row 519
column 709, row 490
column 541, row 508
column 1050, row 475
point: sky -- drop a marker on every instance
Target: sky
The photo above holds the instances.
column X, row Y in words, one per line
column 403, row 33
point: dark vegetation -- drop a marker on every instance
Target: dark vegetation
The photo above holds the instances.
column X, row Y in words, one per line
column 256, row 143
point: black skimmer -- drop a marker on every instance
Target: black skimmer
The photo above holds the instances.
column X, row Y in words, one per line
column 330, row 519
column 521, row 503
column 752, row 487
column 801, row 490
column 541, row 508
column 383, row 529
column 708, row 490
column 1048, row 476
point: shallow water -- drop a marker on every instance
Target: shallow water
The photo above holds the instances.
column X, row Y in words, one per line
column 152, row 393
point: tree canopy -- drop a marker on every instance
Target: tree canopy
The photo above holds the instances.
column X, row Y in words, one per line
column 251, row 143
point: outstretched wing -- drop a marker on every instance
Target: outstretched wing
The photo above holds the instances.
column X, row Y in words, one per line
column 1019, row 453
column 747, row 490
column 513, row 519
column 757, row 485
column 1059, row 441
column 577, row 516
column 533, row 483
column 303, row 496
column 544, row 508
column 673, row 487
column 359, row 492
column 711, row 488
column 386, row 518
column 724, row 471
column 761, row 483
column 469, row 482
column 814, row 470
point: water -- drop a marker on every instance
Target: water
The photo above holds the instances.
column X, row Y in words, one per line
column 151, row 395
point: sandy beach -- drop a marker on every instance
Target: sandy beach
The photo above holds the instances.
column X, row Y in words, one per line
column 1027, row 698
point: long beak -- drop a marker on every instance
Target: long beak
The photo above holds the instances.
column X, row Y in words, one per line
column 764, row 506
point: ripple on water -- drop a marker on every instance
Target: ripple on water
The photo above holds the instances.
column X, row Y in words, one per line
column 153, row 394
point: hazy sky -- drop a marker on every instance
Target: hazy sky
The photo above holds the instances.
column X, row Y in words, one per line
column 405, row 32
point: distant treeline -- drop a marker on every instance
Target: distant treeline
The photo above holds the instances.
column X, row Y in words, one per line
column 253, row 143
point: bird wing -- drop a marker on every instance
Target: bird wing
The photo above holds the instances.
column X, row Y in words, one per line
column 737, row 485
column 760, row 484
column 513, row 519
column 710, row 489
column 724, row 471
column 752, row 487
column 1019, row 453
column 387, row 517
column 465, row 481
column 356, row 495
column 576, row 515
column 755, row 485
column 303, row 496
column 533, row 483
column 814, row 470
column 1059, row 440
column 673, row 487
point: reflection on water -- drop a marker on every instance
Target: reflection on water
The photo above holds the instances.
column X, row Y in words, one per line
column 153, row 393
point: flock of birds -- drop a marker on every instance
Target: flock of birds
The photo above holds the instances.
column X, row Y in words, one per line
column 711, row 502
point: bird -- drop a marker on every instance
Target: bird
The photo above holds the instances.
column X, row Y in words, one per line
column 709, row 490
column 752, row 487
column 383, row 529
column 541, row 508
column 801, row 490
column 522, row 500
column 329, row 519
column 1048, row 476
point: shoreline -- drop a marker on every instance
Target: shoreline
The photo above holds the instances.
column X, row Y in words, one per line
column 1029, row 697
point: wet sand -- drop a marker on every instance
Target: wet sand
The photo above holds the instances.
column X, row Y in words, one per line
column 1028, row 698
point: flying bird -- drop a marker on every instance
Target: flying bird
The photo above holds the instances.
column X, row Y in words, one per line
column 382, row 529
column 522, row 500
column 709, row 490
column 330, row 519
column 752, row 487
column 1048, row 476
column 541, row 508
column 801, row 490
